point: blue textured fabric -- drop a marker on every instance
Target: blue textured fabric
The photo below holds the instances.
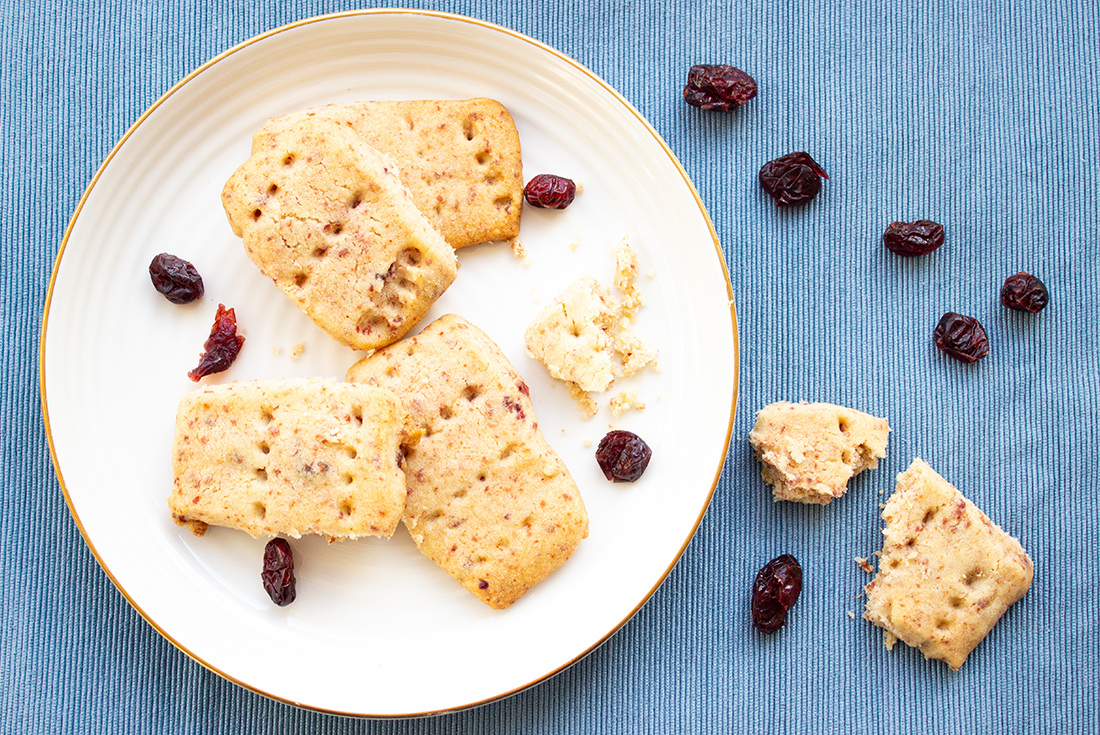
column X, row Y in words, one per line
column 979, row 114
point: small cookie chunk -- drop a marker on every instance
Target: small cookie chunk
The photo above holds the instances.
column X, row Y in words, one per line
column 326, row 217
column 460, row 159
column 811, row 450
column 584, row 336
column 573, row 336
column 292, row 456
column 489, row 500
column 946, row 574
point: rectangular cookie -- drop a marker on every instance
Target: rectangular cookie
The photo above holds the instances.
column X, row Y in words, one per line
column 489, row 500
column 460, row 159
column 291, row 456
column 325, row 216
column 946, row 573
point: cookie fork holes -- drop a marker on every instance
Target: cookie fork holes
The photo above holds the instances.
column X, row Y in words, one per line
column 301, row 279
column 955, row 601
column 972, row 577
column 943, row 624
column 346, row 509
column 259, row 510
column 929, row 515
column 261, row 474
column 507, row 451
column 470, row 392
column 264, row 447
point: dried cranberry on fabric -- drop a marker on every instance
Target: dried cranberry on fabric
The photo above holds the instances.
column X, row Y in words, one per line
column 792, row 179
column 718, row 87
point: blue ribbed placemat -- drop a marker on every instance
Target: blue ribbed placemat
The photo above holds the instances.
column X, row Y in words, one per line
column 981, row 115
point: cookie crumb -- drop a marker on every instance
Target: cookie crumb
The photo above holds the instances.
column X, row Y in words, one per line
column 851, row 615
column 276, row 350
column 297, row 350
column 517, row 248
column 624, row 402
column 864, row 564
column 588, row 406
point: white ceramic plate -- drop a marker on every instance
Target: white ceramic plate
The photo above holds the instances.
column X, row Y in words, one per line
column 377, row 628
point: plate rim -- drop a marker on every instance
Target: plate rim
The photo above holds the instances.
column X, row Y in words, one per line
column 176, row 88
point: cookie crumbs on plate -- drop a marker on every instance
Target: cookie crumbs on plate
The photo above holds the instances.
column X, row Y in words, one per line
column 585, row 401
column 276, row 350
column 297, row 350
column 587, row 442
column 517, row 247
column 575, row 243
column 624, row 402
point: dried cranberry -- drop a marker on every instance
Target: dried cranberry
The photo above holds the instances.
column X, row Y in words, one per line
column 962, row 337
column 792, row 179
column 1024, row 292
column 774, row 592
column 221, row 347
column 177, row 279
column 278, row 573
column 718, row 87
column 549, row 191
column 913, row 238
column 623, row 456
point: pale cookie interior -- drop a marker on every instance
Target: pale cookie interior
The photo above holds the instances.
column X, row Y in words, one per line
column 326, row 217
column 809, row 451
column 489, row 500
column 293, row 457
column 946, row 572
column 460, row 159
column 585, row 336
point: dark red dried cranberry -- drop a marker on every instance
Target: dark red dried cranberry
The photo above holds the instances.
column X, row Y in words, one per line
column 792, row 179
column 278, row 573
column 718, row 87
column 1024, row 292
column 221, row 347
column 774, row 592
column 550, row 191
column 962, row 337
column 623, row 456
column 177, row 279
column 913, row 238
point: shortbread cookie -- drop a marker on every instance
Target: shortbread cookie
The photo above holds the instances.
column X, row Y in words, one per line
column 293, row 456
column 811, row 450
column 326, row 217
column 489, row 499
column 460, row 159
column 946, row 572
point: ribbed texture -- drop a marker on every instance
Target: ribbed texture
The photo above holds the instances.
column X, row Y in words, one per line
column 981, row 115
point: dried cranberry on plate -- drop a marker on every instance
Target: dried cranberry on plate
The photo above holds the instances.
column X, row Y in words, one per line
column 221, row 347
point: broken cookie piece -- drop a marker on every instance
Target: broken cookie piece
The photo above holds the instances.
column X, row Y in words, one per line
column 811, row 450
column 585, row 338
column 946, row 573
column 325, row 216
column 574, row 336
column 289, row 456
